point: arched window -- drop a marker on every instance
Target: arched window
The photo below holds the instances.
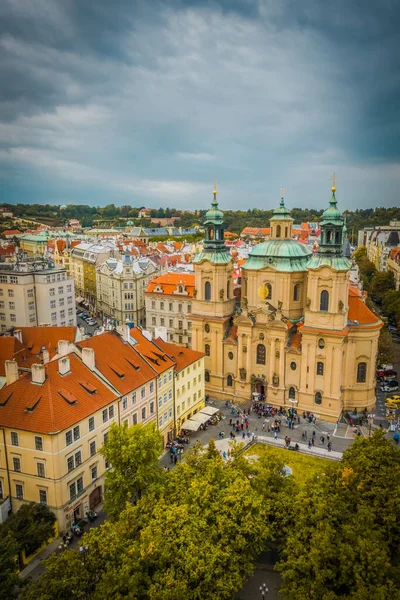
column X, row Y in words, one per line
column 324, row 301
column 337, row 237
column 207, row 349
column 361, row 372
column 320, row 368
column 207, row 291
column 329, row 235
column 260, row 354
column 211, row 234
column 269, row 288
column 318, row 398
column 229, row 381
column 292, row 393
column 207, row 376
column 296, row 292
column 278, row 231
column 286, row 232
column 228, row 290
column 217, row 234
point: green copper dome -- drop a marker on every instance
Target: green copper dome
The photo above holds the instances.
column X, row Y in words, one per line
column 214, row 215
column 281, row 255
column 282, row 213
column 332, row 213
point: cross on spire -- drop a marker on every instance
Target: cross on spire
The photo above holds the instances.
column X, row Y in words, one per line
column 334, row 179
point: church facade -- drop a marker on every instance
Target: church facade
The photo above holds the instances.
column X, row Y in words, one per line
column 302, row 336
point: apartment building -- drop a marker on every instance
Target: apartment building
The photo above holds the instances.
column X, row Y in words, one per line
column 121, row 285
column 30, row 297
column 169, row 304
column 189, row 381
column 84, row 259
column 393, row 265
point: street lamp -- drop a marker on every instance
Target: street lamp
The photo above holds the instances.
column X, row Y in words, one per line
column 83, row 550
column 263, row 590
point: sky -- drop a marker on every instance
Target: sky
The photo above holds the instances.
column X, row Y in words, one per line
column 146, row 103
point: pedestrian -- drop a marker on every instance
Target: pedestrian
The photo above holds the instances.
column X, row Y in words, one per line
column 313, row 435
column 275, row 435
column 328, row 438
column 312, row 441
column 263, row 426
column 309, row 444
column 242, row 426
column 175, row 459
column 230, row 422
column 243, row 434
column 253, row 436
column 330, row 446
column 247, row 425
column 171, row 457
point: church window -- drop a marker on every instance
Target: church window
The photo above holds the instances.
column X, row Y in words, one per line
column 207, row 349
column 269, row 288
column 229, row 381
column 278, row 231
column 260, row 354
column 207, row 376
column 292, row 393
column 228, row 290
column 230, row 355
column 329, row 236
column 207, row 328
column 318, row 398
column 337, row 237
column 293, row 366
column 286, row 232
column 211, row 234
column 217, row 234
column 296, row 292
column 321, row 343
column 320, row 368
column 324, row 301
column 361, row 372
column 207, row 291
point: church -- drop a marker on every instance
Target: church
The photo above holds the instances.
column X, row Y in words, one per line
column 302, row 335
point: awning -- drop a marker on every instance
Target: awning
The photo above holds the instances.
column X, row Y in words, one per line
column 190, row 425
column 209, row 410
column 200, row 418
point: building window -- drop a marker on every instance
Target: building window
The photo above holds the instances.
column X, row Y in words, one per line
column 77, row 434
column 293, row 366
column 207, row 328
column 40, row 470
column 320, row 368
column 38, row 442
column 229, row 381
column 207, row 376
column 17, row 464
column 79, row 485
column 162, row 321
column 160, row 422
column 321, row 343
column 111, row 412
column 13, row 318
column 292, row 393
column 228, row 290
column 134, row 419
column 12, row 305
column 105, row 415
column 10, row 294
column 91, row 423
column 94, row 473
column 170, row 306
column 143, row 413
column 70, row 463
column 278, row 231
column 260, row 354
column 124, row 404
column 134, row 398
column 180, row 339
column 19, row 491
column 153, row 304
column 296, row 292
column 318, row 398
column 165, row 398
column 153, row 321
column 151, row 387
column 361, row 372
column 14, row 438
column 324, row 301
column 152, row 408
column 42, row 497
column 207, row 291
column 105, row 437
column 92, row 448
column 207, row 349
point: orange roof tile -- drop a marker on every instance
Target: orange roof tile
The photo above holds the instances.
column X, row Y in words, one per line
column 170, row 281
column 12, row 349
column 35, row 338
column 119, row 362
column 12, row 232
column 359, row 311
column 183, row 357
column 44, row 408
column 158, row 360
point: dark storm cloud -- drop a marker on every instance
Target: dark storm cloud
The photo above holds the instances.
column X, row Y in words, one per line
column 151, row 100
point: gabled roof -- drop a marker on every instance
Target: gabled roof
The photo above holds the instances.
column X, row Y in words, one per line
column 35, row 338
column 170, row 281
column 359, row 314
column 119, row 362
column 155, row 356
column 59, row 403
column 12, row 349
column 183, row 357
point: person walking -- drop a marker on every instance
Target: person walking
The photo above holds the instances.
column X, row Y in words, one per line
column 309, row 444
column 275, row 435
column 330, row 446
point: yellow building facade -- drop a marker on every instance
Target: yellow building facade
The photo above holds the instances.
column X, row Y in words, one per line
column 302, row 335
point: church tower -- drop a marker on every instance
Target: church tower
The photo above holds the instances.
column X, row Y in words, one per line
column 214, row 302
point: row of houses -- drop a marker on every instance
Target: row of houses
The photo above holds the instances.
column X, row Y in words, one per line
column 61, row 398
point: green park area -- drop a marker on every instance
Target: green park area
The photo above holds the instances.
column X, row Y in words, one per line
column 304, row 466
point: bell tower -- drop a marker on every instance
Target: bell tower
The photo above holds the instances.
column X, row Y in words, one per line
column 214, row 302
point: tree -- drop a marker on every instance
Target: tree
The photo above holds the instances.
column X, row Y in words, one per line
column 9, row 578
column 391, row 305
column 345, row 541
column 385, row 347
column 134, row 454
column 31, row 527
column 381, row 283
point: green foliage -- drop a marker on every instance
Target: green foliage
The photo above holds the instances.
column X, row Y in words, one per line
column 134, row 454
column 9, row 578
column 366, row 267
column 345, row 541
column 31, row 527
column 381, row 283
column 391, row 305
column 385, row 347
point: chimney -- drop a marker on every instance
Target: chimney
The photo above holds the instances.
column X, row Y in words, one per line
column 64, row 365
column 45, row 356
column 127, row 333
column 11, row 371
column 38, row 374
column 88, row 358
column 63, row 347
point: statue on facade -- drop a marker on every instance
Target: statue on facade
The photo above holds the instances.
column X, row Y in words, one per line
column 194, row 293
column 280, row 304
column 341, row 306
column 221, row 294
column 308, row 302
column 243, row 374
column 275, row 379
column 244, row 302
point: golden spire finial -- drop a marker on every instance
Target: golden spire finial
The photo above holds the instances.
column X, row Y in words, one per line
column 282, row 192
column 215, row 188
column 334, row 179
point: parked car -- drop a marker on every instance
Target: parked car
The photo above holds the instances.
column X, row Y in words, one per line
column 91, row 321
column 393, row 399
column 390, row 386
column 386, row 374
column 392, row 328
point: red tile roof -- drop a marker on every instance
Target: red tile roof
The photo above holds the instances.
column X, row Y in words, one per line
column 12, row 349
column 170, row 281
column 35, row 338
column 12, row 232
column 183, row 357
column 119, row 362
column 359, row 311
column 46, row 408
column 154, row 355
